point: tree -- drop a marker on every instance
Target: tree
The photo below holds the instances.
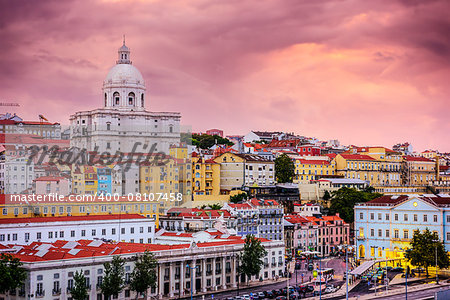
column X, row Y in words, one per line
column 113, row 282
column 423, row 250
column 343, row 202
column 238, row 198
column 12, row 275
column 284, row 168
column 144, row 273
column 251, row 257
column 79, row 290
column 215, row 206
column 206, row 141
column 326, row 196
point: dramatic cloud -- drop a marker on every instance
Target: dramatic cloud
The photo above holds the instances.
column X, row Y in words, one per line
column 364, row 72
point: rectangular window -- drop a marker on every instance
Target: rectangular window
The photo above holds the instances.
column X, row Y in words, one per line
column 405, row 234
column 379, row 216
column 83, row 232
column 113, row 231
column 435, row 219
column 415, row 218
column 396, row 217
column 387, row 217
column 372, row 232
column 380, row 232
column 72, row 233
column 371, row 216
column 396, row 235
column 405, row 217
column 387, row 233
column 425, row 218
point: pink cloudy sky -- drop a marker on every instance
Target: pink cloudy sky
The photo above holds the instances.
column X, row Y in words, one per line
column 363, row 72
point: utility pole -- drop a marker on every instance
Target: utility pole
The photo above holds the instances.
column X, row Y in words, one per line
column 437, row 278
column 346, row 272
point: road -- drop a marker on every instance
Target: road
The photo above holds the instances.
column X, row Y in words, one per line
column 413, row 295
column 296, row 279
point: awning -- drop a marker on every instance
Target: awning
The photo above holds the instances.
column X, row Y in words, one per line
column 363, row 268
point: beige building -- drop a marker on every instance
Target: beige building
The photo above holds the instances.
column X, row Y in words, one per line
column 237, row 170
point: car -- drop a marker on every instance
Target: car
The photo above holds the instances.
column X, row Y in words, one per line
column 238, row 298
column 281, row 298
column 269, row 294
column 246, row 297
column 230, row 298
column 254, row 296
column 261, row 295
column 276, row 293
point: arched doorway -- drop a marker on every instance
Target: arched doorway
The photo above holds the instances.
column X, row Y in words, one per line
column 362, row 251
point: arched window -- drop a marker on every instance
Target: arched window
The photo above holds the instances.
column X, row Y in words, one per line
column 116, row 98
column 105, row 98
column 142, row 100
column 170, row 128
column 131, row 99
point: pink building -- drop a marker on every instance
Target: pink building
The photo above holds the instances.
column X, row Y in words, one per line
column 333, row 231
column 52, row 184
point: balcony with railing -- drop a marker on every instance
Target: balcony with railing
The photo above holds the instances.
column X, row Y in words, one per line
column 56, row 292
column 40, row 293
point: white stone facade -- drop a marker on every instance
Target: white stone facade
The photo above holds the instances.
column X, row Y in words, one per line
column 123, row 120
column 127, row 228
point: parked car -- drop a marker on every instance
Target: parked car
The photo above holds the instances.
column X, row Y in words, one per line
column 281, row 298
column 254, row 296
column 261, row 295
column 276, row 293
column 269, row 294
column 246, row 297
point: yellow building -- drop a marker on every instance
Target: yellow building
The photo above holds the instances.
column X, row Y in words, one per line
column 205, row 176
column 358, row 166
column 418, row 171
column 390, row 164
column 309, row 169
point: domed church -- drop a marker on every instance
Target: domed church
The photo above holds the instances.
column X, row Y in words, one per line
column 123, row 120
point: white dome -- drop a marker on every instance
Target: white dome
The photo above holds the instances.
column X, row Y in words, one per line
column 124, row 72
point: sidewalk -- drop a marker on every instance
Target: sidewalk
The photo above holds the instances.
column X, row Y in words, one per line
column 399, row 291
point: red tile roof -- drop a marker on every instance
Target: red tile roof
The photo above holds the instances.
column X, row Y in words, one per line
column 50, row 178
column 313, row 162
column 356, row 157
column 414, row 158
column 38, row 251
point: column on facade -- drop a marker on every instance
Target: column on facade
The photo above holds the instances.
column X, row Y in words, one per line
column 160, row 281
column 213, row 277
column 182, row 275
column 193, row 270
column 224, row 276
column 203, row 262
column 171, row 279
column 233, row 271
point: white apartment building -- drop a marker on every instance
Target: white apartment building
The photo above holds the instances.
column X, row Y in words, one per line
column 200, row 267
column 132, row 228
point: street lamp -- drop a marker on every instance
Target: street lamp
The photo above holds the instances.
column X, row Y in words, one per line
column 346, row 271
column 191, row 271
